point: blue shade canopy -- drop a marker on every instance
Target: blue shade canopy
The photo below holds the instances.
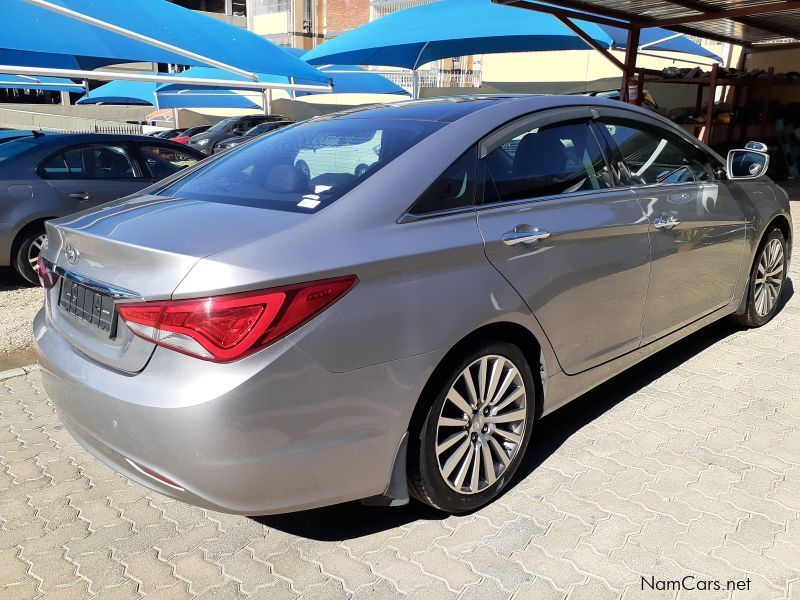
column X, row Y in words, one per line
column 360, row 81
column 343, row 83
column 50, row 84
column 655, row 34
column 421, row 34
column 144, row 93
column 122, row 92
column 37, row 37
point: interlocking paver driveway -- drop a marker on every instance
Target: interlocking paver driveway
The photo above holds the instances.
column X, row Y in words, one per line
column 687, row 465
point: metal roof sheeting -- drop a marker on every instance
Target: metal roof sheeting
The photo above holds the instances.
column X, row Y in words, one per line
column 772, row 20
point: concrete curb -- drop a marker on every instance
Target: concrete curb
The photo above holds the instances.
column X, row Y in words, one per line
column 18, row 372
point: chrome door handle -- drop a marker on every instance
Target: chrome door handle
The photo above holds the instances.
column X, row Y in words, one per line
column 524, row 234
column 80, row 195
column 662, row 223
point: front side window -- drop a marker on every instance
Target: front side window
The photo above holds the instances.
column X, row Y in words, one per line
column 546, row 161
column 654, row 155
column 163, row 162
column 90, row 162
column 305, row 167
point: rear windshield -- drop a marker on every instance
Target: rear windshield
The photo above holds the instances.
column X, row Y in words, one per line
column 15, row 148
column 222, row 125
column 305, row 167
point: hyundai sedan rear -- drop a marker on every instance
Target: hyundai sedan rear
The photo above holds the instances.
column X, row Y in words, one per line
column 386, row 300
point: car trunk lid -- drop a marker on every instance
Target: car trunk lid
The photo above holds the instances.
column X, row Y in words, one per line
column 137, row 250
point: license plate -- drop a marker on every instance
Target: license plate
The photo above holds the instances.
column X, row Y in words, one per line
column 89, row 306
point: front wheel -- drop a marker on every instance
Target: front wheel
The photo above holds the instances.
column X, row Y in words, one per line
column 766, row 281
column 26, row 254
column 476, row 430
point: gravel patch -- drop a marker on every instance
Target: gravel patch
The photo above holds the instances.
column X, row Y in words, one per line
column 19, row 303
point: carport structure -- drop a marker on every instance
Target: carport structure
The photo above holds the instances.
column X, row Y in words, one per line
column 752, row 24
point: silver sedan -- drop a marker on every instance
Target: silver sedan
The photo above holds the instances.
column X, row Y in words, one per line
column 386, row 301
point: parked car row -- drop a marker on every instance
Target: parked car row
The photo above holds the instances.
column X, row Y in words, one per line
column 206, row 142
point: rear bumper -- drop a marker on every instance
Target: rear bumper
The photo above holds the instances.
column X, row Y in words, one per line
column 272, row 433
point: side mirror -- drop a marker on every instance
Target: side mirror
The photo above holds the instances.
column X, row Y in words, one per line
column 747, row 164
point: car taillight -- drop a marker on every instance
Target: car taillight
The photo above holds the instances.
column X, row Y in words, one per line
column 46, row 277
column 226, row 328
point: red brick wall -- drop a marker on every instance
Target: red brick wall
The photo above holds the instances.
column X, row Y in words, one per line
column 343, row 15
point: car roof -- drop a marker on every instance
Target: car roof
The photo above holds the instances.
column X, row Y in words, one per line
column 452, row 108
column 43, row 138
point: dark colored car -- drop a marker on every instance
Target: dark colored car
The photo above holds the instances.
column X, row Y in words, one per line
column 234, row 126
column 51, row 175
column 6, row 135
column 256, row 131
column 183, row 138
column 167, row 134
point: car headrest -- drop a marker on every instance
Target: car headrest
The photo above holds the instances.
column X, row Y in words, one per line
column 286, row 178
column 540, row 154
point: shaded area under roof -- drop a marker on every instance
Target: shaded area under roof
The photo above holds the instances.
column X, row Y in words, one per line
column 415, row 36
column 747, row 22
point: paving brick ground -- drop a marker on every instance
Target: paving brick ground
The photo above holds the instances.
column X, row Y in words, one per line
column 687, row 465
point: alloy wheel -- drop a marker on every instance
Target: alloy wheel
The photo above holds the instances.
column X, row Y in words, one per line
column 34, row 250
column 481, row 424
column 769, row 277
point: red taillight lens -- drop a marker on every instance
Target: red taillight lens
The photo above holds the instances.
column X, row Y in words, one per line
column 226, row 328
column 46, row 277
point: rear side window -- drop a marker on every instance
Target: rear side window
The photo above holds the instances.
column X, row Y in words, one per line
column 304, row 167
column 163, row 162
column 546, row 161
column 455, row 188
column 90, row 162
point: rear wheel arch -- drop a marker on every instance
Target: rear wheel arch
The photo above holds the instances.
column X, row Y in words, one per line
column 36, row 224
column 504, row 331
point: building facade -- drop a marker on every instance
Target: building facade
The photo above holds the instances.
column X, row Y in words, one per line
column 233, row 12
column 305, row 23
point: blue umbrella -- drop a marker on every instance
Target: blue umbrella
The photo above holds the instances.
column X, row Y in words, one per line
column 352, row 79
column 415, row 36
column 51, row 84
column 366, row 83
column 145, row 93
column 656, row 38
column 37, row 37
column 140, row 93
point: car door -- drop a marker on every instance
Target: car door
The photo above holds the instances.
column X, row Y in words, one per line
column 574, row 244
column 697, row 226
column 92, row 174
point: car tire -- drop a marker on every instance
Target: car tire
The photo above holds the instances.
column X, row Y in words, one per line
column 26, row 252
column 443, row 453
column 767, row 278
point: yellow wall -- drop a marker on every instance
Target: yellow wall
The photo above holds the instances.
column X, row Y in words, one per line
column 270, row 24
column 570, row 65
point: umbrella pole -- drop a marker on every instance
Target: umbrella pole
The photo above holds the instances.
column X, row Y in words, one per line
column 267, row 102
column 175, row 117
column 414, row 84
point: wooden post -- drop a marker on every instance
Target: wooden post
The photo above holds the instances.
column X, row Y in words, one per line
column 631, row 53
column 712, row 92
